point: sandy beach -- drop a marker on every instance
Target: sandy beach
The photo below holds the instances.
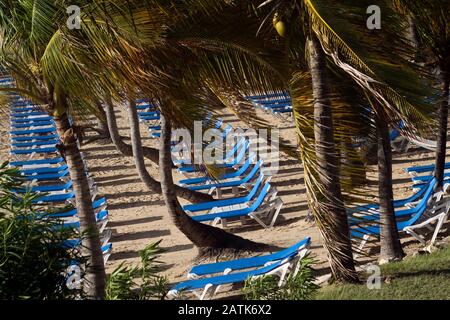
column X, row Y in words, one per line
column 138, row 217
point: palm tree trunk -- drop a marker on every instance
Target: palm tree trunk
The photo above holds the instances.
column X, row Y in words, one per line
column 206, row 238
column 102, row 122
column 95, row 276
column 332, row 221
column 126, row 149
column 391, row 248
column 152, row 184
column 443, row 125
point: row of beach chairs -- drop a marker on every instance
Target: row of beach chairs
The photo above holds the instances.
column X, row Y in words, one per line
column 426, row 210
column 205, row 280
column 277, row 103
column 33, row 141
column 243, row 177
column 148, row 114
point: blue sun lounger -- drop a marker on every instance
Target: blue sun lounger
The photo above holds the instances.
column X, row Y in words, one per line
column 32, row 151
column 47, row 188
column 42, row 170
column 425, row 179
column 247, row 263
column 230, row 160
column 262, row 209
column 34, row 124
column 33, row 131
column 424, row 169
column 233, row 183
column 150, row 118
column 287, row 109
column 269, row 96
column 101, row 218
column 210, row 286
column 26, row 109
column 28, row 114
column 203, row 206
column 37, row 162
column 34, row 143
column 32, row 119
column 148, row 113
column 230, row 175
column 426, row 213
column 23, row 107
column 22, row 102
column 144, row 107
column 99, row 204
column 73, row 243
column 279, row 108
column 106, row 248
column 155, row 128
column 64, row 174
column 270, row 105
column 59, row 197
column 276, row 106
column 205, row 284
column 32, row 138
column 397, row 203
column 420, row 205
column 272, row 101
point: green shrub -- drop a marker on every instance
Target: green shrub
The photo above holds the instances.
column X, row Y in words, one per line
column 33, row 262
column 138, row 282
column 296, row 287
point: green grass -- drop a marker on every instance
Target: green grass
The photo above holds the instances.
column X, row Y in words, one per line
column 423, row 277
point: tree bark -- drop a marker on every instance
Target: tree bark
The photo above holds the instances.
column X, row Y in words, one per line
column 332, row 220
column 102, row 122
column 205, row 237
column 443, row 125
column 95, row 276
column 126, row 149
column 390, row 246
column 152, row 184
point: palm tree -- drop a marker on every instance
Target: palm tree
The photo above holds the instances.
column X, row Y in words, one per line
column 432, row 25
column 207, row 238
column 390, row 246
column 327, row 160
column 27, row 30
column 317, row 24
column 151, row 183
column 124, row 148
column 143, row 59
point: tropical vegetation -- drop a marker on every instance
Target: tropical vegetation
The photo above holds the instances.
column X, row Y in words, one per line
column 348, row 84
